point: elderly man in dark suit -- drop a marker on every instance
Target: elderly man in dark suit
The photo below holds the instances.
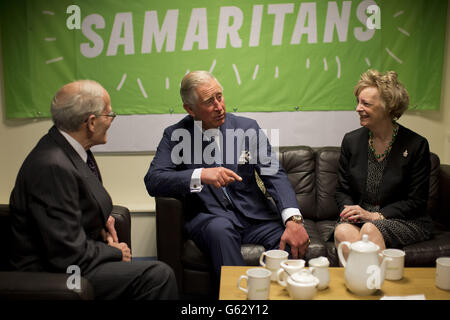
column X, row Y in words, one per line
column 61, row 211
column 210, row 158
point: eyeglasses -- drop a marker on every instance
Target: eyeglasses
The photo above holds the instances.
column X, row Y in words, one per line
column 112, row 114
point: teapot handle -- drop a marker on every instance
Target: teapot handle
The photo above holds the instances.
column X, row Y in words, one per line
column 340, row 254
column 280, row 276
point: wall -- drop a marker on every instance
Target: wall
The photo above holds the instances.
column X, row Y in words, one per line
column 123, row 173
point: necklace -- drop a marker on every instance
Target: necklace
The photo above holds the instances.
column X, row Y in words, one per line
column 388, row 149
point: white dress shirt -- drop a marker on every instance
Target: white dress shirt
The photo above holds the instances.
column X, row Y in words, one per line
column 75, row 144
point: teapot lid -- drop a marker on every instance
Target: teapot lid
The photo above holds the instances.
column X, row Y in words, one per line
column 364, row 245
column 319, row 262
column 304, row 277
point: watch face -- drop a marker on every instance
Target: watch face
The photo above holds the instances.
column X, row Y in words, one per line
column 297, row 219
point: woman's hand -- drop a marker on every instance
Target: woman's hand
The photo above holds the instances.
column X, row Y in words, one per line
column 355, row 213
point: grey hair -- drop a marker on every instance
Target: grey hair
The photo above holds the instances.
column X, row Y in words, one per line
column 70, row 108
column 190, row 82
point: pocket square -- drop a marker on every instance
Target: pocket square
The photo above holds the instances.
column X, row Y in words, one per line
column 245, row 157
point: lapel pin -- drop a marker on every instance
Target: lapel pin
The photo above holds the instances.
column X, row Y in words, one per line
column 405, row 154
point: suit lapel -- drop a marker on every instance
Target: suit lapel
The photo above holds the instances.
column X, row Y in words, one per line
column 98, row 191
column 393, row 161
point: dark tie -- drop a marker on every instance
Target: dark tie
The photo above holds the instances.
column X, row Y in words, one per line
column 92, row 164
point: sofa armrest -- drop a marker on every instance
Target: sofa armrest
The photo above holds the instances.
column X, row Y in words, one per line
column 444, row 191
column 122, row 223
column 16, row 285
column 169, row 233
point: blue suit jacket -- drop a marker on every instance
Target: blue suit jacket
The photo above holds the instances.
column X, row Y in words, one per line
column 170, row 175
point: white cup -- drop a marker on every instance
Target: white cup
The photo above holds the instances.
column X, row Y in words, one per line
column 443, row 273
column 319, row 268
column 394, row 267
column 258, row 283
column 273, row 260
column 289, row 267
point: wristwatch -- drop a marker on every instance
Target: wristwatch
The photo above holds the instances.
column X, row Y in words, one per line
column 298, row 218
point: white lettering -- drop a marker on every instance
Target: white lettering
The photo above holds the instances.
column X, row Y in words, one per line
column 280, row 11
column 198, row 21
column 225, row 29
column 373, row 22
column 85, row 48
column 73, row 21
column 340, row 21
column 256, row 26
column 122, row 20
column 156, row 35
column 307, row 9
column 359, row 32
column 151, row 31
column 73, row 282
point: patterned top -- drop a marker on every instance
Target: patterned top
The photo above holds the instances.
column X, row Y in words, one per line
column 371, row 199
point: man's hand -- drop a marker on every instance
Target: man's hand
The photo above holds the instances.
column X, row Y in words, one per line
column 126, row 252
column 122, row 246
column 111, row 229
column 218, row 176
column 296, row 236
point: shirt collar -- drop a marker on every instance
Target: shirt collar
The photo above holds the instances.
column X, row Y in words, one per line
column 209, row 134
column 75, row 144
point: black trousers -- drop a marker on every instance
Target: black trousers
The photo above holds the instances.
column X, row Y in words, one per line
column 135, row 280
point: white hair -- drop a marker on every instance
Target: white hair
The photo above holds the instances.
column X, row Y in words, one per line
column 70, row 108
column 190, row 82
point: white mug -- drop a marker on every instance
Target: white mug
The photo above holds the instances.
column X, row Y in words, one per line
column 443, row 273
column 273, row 260
column 258, row 283
column 319, row 268
column 289, row 267
column 394, row 267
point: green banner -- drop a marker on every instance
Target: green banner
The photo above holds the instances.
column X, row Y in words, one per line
column 269, row 55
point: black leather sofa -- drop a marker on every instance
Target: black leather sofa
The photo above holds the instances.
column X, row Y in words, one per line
column 312, row 173
column 16, row 285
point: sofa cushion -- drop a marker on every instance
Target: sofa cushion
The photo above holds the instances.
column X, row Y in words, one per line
column 424, row 254
column 317, row 246
column 299, row 164
column 327, row 163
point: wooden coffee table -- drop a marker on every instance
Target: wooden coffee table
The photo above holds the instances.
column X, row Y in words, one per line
column 415, row 281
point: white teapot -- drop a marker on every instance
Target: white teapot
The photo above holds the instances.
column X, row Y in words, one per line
column 301, row 285
column 363, row 272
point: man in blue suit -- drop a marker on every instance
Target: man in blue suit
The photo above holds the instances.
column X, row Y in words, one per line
column 210, row 158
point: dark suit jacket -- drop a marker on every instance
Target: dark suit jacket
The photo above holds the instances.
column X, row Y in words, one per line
column 58, row 210
column 404, row 185
column 172, row 178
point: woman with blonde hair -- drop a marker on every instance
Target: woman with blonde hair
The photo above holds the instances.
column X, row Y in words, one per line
column 384, row 169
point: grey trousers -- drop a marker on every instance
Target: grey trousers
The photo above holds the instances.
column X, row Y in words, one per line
column 135, row 280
